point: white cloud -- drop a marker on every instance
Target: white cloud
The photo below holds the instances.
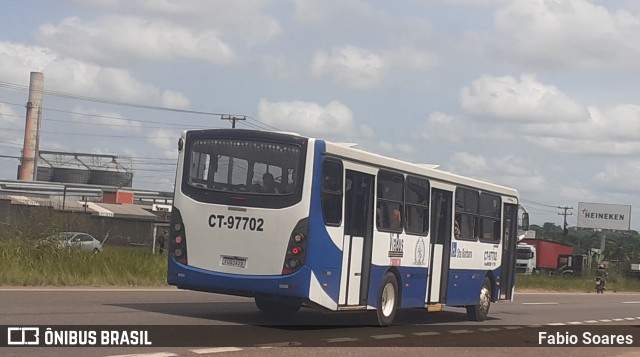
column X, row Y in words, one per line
column 112, row 120
column 410, row 58
column 246, row 21
column 475, row 2
column 360, row 68
column 308, row 118
column 175, row 100
column 594, row 146
column 620, row 177
column 69, row 75
column 165, row 140
column 8, row 115
column 367, row 132
column 121, row 39
column 525, row 100
column 468, row 164
column 568, row 34
column 509, row 171
column 355, row 67
column 401, row 151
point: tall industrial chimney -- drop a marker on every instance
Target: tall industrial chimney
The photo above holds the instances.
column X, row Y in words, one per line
column 29, row 167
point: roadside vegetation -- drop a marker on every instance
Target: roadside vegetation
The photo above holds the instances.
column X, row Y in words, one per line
column 26, row 261
column 616, row 282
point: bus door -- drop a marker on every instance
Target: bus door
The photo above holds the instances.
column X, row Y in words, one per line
column 439, row 252
column 358, row 238
column 509, row 245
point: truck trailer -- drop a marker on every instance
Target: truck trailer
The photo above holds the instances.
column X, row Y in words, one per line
column 539, row 255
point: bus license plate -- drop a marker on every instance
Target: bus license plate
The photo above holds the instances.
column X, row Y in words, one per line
column 234, row 262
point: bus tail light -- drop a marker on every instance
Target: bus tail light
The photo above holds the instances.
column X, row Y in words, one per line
column 178, row 241
column 296, row 248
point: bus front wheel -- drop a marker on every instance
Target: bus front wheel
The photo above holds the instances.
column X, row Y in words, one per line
column 480, row 310
column 272, row 305
column 387, row 300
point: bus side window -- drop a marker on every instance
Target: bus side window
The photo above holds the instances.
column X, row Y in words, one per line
column 332, row 192
column 390, row 201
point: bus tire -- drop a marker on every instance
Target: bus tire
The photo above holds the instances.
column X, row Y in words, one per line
column 276, row 306
column 387, row 300
column 480, row 310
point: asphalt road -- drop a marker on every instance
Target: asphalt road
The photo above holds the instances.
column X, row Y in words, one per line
column 225, row 325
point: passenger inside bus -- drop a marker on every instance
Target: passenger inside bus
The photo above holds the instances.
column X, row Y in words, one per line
column 269, row 184
column 396, row 219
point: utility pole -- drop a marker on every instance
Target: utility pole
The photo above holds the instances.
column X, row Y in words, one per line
column 233, row 119
column 565, row 230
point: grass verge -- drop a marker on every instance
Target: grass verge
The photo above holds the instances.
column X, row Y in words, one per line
column 24, row 263
column 616, row 282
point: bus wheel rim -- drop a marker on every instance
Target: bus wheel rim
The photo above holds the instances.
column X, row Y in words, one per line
column 485, row 299
column 388, row 299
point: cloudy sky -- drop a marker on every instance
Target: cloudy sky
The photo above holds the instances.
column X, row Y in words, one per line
column 541, row 95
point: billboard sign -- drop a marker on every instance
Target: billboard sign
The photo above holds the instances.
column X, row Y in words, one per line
column 604, row 216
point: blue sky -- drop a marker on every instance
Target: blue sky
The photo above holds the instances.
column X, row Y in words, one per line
column 540, row 95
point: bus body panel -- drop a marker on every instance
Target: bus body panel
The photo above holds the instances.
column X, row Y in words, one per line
column 222, row 240
column 327, row 262
column 331, row 276
column 191, row 278
column 464, row 286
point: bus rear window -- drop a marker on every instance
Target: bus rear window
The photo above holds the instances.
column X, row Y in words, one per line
column 252, row 167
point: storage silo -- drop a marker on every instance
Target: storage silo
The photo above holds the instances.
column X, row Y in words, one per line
column 70, row 173
column 111, row 175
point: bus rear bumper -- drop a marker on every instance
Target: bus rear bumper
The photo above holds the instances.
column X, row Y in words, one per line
column 190, row 278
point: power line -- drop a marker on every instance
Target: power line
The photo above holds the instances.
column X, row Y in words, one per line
column 20, row 87
column 107, row 117
column 540, row 204
column 104, row 135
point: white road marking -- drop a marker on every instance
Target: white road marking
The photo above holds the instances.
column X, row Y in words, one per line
column 631, row 302
column 383, row 337
column 592, row 321
column 605, row 320
column 575, row 323
column 428, row 333
column 203, row 351
column 489, row 329
column 156, row 354
column 280, row 344
column 630, row 318
column 460, row 331
column 557, row 324
column 618, row 320
column 341, row 339
column 512, row 327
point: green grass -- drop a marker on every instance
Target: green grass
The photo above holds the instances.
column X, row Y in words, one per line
column 24, row 263
column 615, row 283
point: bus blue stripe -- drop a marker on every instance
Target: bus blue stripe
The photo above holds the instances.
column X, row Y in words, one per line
column 323, row 255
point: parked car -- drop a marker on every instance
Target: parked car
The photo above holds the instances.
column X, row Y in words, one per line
column 84, row 241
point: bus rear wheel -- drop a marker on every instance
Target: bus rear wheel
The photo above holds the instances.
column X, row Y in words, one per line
column 387, row 300
column 272, row 305
column 480, row 310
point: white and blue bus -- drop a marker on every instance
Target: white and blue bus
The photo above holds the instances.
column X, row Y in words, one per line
column 292, row 220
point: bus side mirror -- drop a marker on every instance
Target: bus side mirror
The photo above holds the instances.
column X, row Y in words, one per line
column 525, row 221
